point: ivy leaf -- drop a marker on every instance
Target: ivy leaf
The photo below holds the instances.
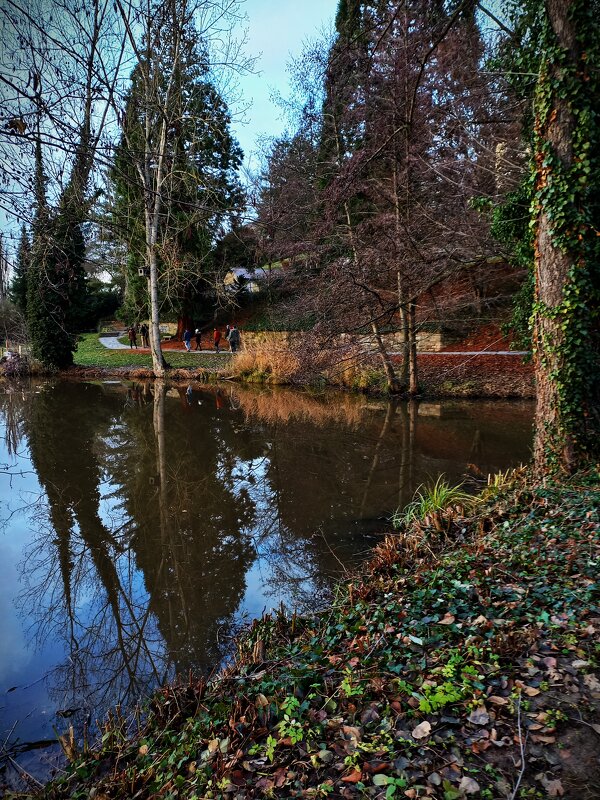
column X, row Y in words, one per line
column 380, row 780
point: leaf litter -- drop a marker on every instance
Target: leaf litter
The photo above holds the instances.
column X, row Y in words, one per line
column 461, row 664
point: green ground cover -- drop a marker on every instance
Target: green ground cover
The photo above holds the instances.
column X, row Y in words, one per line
column 90, row 353
column 464, row 662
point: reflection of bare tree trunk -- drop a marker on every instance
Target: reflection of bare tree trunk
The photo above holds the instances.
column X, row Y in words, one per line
column 477, row 446
column 413, row 408
column 390, row 411
column 405, row 458
column 166, row 531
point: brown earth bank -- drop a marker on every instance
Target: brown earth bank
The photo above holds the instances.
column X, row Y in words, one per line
column 476, row 376
column 439, row 375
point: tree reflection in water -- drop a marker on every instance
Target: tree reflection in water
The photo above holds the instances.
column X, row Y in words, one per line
column 170, row 511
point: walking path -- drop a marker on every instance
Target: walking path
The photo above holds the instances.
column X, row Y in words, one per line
column 113, row 343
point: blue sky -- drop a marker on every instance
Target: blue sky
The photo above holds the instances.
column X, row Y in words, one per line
column 277, row 29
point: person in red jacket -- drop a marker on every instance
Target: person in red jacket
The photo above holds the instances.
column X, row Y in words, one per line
column 217, row 338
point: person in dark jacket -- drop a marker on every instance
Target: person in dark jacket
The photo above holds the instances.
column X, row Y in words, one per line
column 187, row 339
column 234, row 339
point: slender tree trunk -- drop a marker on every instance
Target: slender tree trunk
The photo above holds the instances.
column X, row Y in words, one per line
column 413, row 387
column 405, row 342
column 386, row 360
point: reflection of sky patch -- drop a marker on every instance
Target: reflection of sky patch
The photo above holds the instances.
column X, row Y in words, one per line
column 272, row 576
column 18, row 491
column 14, row 653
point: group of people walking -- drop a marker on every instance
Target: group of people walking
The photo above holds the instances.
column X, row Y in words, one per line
column 144, row 332
column 232, row 336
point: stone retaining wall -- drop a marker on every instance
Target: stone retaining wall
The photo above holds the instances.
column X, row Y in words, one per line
column 426, row 341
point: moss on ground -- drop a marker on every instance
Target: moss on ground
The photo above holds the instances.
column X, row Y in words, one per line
column 462, row 663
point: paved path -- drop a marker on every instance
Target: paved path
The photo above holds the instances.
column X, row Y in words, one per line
column 113, row 343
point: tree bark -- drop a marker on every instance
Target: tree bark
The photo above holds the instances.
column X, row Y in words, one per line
column 562, row 431
column 413, row 372
column 388, row 367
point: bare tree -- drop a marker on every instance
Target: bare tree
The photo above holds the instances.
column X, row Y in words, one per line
column 161, row 38
column 61, row 68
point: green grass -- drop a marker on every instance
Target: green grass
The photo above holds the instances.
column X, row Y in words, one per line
column 91, row 353
column 432, row 501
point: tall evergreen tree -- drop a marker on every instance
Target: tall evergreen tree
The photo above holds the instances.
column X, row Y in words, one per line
column 18, row 285
column 199, row 187
column 3, row 270
column 56, row 277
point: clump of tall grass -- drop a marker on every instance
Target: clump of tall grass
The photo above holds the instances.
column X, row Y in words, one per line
column 266, row 364
column 435, row 506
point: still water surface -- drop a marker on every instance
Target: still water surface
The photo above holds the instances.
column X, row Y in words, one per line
column 141, row 524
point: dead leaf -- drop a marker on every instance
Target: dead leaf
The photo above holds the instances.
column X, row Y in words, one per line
column 553, row 786
column 468, row 785
column 592, row 683
column 498, row 701
column 579, row 663
column 530, row 691
column 143, row 750
column 265, row 785
column 447, row 619
column 479, row 716
column 354, row 777
column 422, row 730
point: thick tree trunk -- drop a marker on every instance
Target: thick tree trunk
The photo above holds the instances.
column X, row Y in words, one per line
column 563, row 338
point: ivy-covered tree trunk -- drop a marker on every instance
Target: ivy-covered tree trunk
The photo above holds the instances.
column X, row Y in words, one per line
column 566, row 336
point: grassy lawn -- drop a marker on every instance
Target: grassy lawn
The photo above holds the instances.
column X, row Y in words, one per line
column 90, row 353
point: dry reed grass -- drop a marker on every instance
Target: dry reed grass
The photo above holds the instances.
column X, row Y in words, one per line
column 306, row 360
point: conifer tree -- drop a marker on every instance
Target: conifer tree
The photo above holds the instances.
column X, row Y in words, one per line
column 18, row 286
column 176, row 156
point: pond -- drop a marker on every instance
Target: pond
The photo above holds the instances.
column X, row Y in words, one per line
column 143, row 524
